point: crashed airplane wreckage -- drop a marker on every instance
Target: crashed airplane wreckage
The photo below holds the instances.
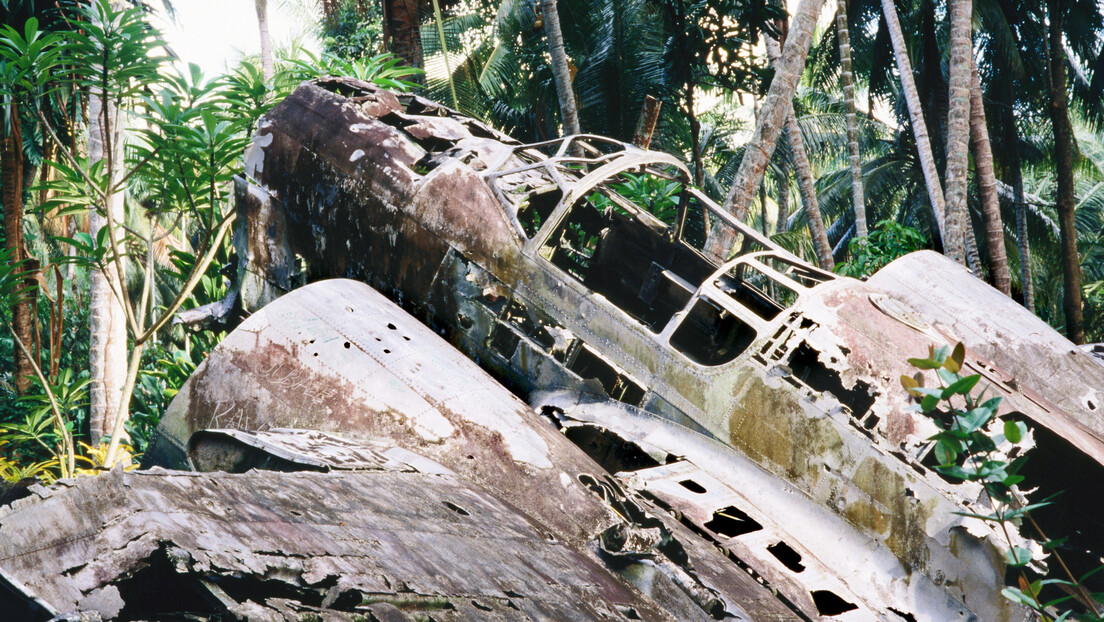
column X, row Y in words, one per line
column 679, row 347
column 749, row 453
column 420, row 489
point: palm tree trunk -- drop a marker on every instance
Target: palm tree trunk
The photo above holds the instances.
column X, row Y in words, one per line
column 645, row 124
column 804, row 174
column 916, row 114
column 858, row 200
column 11, row 178
column 987, row 186
column 784, row 195
column 955, row 218
column 560, row 71
column 1063, row 158
column 107, row 320
column 695, row 136
column 1012, row 142
column 268, row 69
column 779, row 99
column 401, row 31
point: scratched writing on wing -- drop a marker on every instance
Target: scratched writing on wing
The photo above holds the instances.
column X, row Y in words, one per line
column 232, row 415
column 295, row 379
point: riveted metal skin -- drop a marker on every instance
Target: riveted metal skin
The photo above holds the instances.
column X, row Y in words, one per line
column 530, row 260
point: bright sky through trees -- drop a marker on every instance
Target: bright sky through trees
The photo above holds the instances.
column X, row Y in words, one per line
column 214, row 34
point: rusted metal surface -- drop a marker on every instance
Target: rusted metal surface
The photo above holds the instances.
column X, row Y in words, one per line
column 530, row 259
column 289, row 546
column 377, row 391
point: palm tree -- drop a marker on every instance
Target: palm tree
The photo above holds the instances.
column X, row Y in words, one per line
column 848, row 82
column 11, row 178
column 560, row 70
column 1014, row 166
column 1063, row 160
column 779, row 98
column 268, row 69
column 14, row 83
column 987, row 188
column 402, row 30
column 958, row 130
column 916, row 114
column 804, row 173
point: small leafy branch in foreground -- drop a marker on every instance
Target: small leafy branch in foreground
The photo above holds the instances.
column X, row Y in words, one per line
column 970, row 448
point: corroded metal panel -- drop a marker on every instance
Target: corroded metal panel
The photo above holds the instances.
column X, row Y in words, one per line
column 553, row 280
column 275, row 546
column 337, row 358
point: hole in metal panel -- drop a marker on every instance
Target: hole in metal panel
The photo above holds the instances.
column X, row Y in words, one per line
column 732, row 522
column 504, row 341
column 464, row 321
column 348, row 345
column 806, row 365
column 614, row 453
column 455, row 508
column 588, row 364
column 789, row 557
column 692, row 486
column 830, row 604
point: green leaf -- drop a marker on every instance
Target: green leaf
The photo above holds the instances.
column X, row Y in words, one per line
column 910, row 383
column 947, row 451
column 924, row 363
column 946, row 376
column 975, row 419
column 939, row 355
column 929, row 403
column 962, row 386
column 1018, row 556
column 1012, row 431
column 954, row 362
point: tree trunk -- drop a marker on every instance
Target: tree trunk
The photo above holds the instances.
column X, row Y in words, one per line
column 11, row 178
column 560, row 71
column 268, row 69
column 108, row 336
column 645, row 124
column 402, row 33
column 858, row 199
column 916, row 114
column 987, row 187
column 784, row 195
column 695, row 137
column 804, row 174
column 1012, row 141
column 955, row 218
column 779, row 99
column 1063, row 158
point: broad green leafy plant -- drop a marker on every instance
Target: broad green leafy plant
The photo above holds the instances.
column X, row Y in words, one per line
column 974, row 445
column 888, row 241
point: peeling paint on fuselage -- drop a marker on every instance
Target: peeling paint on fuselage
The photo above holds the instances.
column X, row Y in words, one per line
column 813, row 397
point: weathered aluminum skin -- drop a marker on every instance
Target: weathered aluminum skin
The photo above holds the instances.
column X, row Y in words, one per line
column 345, row 179
column 337, row 358
column 344, row 545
